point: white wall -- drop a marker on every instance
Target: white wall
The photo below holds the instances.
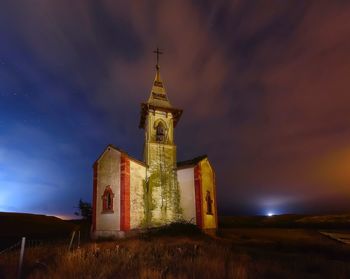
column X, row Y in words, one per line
column 108, row 173
column 187, row 193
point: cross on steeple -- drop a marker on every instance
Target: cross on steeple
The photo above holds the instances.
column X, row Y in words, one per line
column 158, row 52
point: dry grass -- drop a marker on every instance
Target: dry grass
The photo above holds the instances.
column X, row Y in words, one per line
column 134, row 258
column 237, row 253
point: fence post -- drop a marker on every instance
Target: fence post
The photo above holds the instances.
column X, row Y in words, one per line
column 23, row 243
column 78, row 239
column 71, row 240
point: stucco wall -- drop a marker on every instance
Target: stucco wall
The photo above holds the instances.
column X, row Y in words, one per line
column 208, row 184
column 187, row 194
column 165, row 152
column 137, row 175
column 108, row 173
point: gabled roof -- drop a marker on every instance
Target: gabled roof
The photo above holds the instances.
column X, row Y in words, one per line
column 191, row 163
column 121, row 151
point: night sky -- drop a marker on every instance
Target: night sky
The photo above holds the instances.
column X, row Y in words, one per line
column 265, row 88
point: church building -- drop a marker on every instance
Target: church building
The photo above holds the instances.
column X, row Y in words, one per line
column 131, row 195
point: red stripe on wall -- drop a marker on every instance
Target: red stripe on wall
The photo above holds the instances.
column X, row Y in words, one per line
column 124, row 193
column 198, row 195
column 94, row 198
column 215, row 199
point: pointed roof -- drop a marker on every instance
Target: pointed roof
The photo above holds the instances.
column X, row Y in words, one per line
column 158, row 100
column 158, row 96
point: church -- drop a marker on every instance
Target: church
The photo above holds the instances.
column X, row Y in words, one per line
column 131, row 195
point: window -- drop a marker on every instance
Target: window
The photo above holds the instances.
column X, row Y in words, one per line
column 160, row 132
column 209, row 202
column 107, row 200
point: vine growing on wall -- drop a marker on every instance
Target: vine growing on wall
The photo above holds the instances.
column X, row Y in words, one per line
column 148, row 204
column 161, row 192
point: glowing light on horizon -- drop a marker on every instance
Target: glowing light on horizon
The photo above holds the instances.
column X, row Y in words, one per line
column 270, row 214
column 67, row 217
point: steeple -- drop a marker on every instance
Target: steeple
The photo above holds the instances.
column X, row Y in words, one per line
column 158, row 99
column 158, row 96
column 158, row 119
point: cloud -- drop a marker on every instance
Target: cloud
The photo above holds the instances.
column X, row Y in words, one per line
column 264, row 85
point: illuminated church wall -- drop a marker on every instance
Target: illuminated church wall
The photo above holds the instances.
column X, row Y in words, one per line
column 198, row 193
column 123, row 178
column 208, row 191
column 137, row 177
column 163, row 186
column 108, row 173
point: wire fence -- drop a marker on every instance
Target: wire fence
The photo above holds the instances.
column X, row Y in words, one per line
column 24, row 243
column 73, row 242
column 30, row 243
column 13, row 247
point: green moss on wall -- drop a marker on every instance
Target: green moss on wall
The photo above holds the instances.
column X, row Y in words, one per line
column 148, row 204
column 161, row 190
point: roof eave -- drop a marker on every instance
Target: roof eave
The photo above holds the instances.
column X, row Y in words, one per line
column 146, row 106
column 191, row 163
column 121, row 151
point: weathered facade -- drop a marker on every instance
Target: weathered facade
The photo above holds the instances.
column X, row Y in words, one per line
column 129, row 194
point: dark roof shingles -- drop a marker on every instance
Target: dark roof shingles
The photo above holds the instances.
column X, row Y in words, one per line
column 191, row 162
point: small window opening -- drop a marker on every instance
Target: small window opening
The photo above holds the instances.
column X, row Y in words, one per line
column 209, row 203
column 160, row 132
column 107, row 200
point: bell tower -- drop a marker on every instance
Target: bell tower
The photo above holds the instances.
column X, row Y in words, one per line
column 158, row 119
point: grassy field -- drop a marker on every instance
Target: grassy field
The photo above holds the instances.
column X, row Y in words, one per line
column 235, row 253
column 184, row 252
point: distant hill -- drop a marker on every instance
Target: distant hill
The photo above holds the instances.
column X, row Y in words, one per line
column 336, row 221
column 13, row 225
column 326, row 219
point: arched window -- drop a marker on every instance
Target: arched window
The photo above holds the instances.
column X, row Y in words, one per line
column 107, row 200
column 209, row 203
column 160, row 132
